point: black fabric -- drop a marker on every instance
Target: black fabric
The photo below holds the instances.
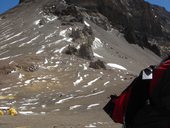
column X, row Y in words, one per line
column 138, row 98
column 149, row 117
column 160, row 98
column 157, row 113
column 108, row 108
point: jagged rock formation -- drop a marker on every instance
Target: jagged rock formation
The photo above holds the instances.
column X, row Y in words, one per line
column 82, row 41
column 141, row 22
column 66, row 13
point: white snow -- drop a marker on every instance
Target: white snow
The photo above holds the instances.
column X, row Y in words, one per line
column 85, row 67
column 51, row 35
column 93, row 105
column 93, row 94
column 62, row 49
column 55, row 43
column 41, row 50
column 43, row 113
column 63, row 33
column 78, row 81
column 86, row 75
column 54, row 66
column 33, row 39
column 31, row 100
column 56, row 110
column 90, row 126
column 46, row 61
column 87, row 24
column 97, row 43
column 112, row 65
column 75, row 106
column 19, row 40
column 28, row 81
column 97, row 55
column 14, row 36
column 6, row 35
column 36, row 22
column 5, row 58
column 68, row 39
column 43, row 77
column 28, row 104
column 62, row 100
column 27, row 113
column 78, row 47
column 5, row 108
column 13, row 71
column 50, row 18
column 10, row 57
column 106, row 83
column 91, row 82
column 4, row 89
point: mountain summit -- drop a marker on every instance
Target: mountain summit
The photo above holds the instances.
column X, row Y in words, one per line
column 60, row 60
column 142, row 23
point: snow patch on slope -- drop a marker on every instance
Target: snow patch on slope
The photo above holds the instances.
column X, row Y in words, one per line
column 112, row 65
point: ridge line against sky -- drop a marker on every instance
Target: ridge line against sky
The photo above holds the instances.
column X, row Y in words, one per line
column 5, row 5
column 162, row 3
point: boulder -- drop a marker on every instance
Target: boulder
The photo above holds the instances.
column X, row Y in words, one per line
column 97, row 64
column 86, row 52
column 71, row 50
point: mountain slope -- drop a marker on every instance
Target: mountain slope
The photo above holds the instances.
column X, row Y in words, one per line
column 142, row 23
column 58, row 64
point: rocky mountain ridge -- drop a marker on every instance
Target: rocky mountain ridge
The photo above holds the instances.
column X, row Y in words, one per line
column 142, row 23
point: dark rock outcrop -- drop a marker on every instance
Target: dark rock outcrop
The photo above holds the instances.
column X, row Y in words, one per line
column 29, row 67
column 25, row 1
column 66, row 13
column 71, row 50
column 82, row 41
column 6, row 69
column 97, row 64
column 86, row 52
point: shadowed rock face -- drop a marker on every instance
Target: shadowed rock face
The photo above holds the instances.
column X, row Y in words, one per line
column 22, row 1
column 138, row 20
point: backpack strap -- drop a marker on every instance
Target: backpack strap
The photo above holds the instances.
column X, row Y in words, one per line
column 158, row 84
column 157, row 75
column 138, row 96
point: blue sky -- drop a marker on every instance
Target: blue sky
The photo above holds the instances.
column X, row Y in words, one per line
column 164, row 3
column 7, row 4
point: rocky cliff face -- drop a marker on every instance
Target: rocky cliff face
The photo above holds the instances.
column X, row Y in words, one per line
column 141, row 22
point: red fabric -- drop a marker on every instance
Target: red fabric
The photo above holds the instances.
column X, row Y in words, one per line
column 159, row 71
column 120, row 106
